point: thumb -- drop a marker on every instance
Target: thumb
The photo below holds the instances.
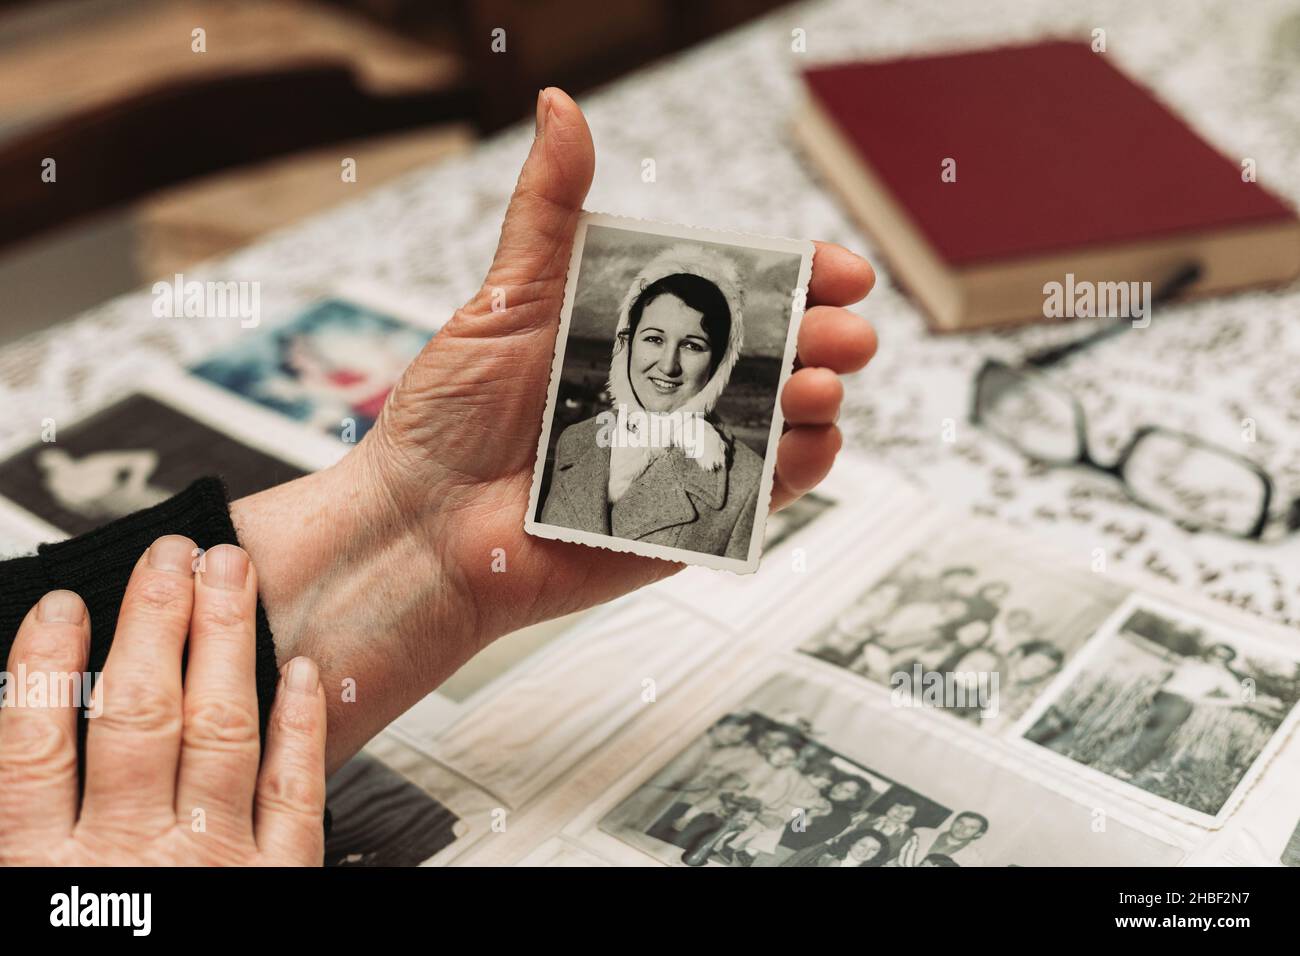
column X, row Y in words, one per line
column 525, row 286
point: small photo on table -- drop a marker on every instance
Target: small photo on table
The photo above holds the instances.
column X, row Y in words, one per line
column 967, row 608
column 801, row 774
column 330, row 368
column 663, row 416
column 379, row 818
column 735, row 798
column 131, row 455
column 1182, row 708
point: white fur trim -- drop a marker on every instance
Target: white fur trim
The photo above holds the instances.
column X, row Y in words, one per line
column 688, row 259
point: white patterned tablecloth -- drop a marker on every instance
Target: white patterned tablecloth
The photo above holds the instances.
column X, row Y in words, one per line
column 716, row 122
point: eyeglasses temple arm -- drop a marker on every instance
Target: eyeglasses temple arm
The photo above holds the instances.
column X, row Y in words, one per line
column 1187, row 274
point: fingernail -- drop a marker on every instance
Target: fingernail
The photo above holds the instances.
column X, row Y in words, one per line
column 301, row 676
column 172, row 552
column 60, row 607
column 543, row 108
column 225, row 566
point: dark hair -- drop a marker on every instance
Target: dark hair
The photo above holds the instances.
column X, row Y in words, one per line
column 840, row 848
column 864, row 790
column 1046, row 648
column 983, row 820
column 695, row 292
column 745, row 720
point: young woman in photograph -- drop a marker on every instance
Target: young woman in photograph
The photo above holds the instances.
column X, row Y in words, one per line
column 861, row 847
column 688, row 483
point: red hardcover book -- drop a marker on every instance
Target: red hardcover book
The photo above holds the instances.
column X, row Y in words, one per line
column 985, row 176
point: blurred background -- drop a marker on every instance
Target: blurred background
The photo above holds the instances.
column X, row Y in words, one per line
column 124, row 93
column 205, row 137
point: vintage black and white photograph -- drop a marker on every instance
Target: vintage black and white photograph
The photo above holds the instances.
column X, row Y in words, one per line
column 663, row 414
column 801, row 775
column 379, row 818
column 969, row 608
column 1179, row 707
column 133, row 454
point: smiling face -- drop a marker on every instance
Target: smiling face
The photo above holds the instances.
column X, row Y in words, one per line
column 967, row 828
column 672, row 357
column 901, row 812
column 865, row 849
column 846, row 790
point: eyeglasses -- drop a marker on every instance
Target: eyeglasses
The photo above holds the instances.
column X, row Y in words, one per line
column 1200, row 485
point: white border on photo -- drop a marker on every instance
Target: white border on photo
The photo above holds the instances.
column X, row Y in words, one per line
column 572, row 696
column 1257, row 834
column 539, row 529
column 23, row 531
column 424, row 724
column 255, row 425
column 563, row 852
column 252, row 417
column 1237, row 635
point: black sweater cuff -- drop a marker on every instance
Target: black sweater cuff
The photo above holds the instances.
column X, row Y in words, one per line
column 98, row 564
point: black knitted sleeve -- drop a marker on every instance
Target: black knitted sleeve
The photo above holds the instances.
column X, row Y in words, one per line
column 97, row 564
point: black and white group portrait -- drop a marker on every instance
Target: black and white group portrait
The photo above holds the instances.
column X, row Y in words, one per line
column 800, row 774
column 663, row 411
column 1179, row 708
column 958, row 607
column 758, row 792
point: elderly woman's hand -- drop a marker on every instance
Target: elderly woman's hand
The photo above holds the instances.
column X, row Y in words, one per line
column 399, row 564
column 171, row 772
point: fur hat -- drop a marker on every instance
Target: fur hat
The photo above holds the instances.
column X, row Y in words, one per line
column 685, row 259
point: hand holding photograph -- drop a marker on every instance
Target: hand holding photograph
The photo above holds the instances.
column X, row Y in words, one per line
column 660, row 431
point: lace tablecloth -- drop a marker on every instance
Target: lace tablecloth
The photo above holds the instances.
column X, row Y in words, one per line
column 716, row 121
